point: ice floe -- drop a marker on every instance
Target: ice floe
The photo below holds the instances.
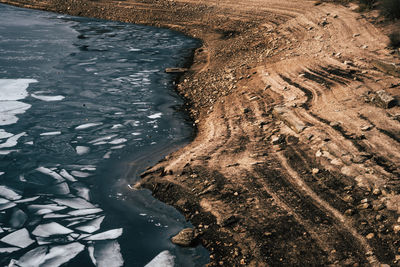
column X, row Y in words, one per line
column 50, row 133
column 49, row 229
column 164, row 259
column 59, row 255
column 75, row 203
column 80, row 174
column 88, row 125
column 80, row 150
column 19, row 238
column 118, row 141
column 48, row 98
column 1, row 173
column 55, row 216
column 118, row 147
column 83, row 212
column 12, row 141
column 32, row 258
column 18, row 218
column 107, row 155
column 155, row 116
column 8, row 250
column 27, row 199
column 106, row 254
column 81, row 190
column 91, row 226
column 104, row 138
column 49, row 207
column 14, row 89
column 67, row 176
column 7, row 206
column 8, row 110
column 51, row 173
column 8, row 193
column 111, row 234
column 58, row 189
column 4, row 134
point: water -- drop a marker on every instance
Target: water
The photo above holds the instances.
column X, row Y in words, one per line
column 85, row 105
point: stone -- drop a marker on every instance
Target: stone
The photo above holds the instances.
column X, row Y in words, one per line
column 366, row 128
column 348, row 199
column 363, row 206
column 349, row 212
column 385, row 100
column 185, row 238
column 396, row 228
column 315, row 171
column 370, row 236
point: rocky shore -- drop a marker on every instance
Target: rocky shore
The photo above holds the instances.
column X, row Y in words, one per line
column 296, row 160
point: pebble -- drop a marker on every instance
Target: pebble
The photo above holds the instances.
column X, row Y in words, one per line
column 396, row 228
column 363, row 206
column 348, row 199
column 184, row 238
column 315, row 171
column 370, row 236
column 349, row 212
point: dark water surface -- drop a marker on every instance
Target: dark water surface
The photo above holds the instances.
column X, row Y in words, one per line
column 85, row 105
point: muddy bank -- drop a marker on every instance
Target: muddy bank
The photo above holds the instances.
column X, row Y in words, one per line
column 296, row 161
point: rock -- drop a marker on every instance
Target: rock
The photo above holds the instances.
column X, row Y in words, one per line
column 349, row 212
column 396, row 228
column 315, row 171
column 370, row 236
column 348, row 63
column 379, row 207
column 277, row 139
column 366, row 128
column 385, row 100
column 363, row 206
column 348, row 199
column 185, row 238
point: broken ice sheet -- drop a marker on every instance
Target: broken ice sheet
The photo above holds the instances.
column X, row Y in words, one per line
column 50, row 133
column 61, row 254
column 80, row 174
column 8, row 250
column 19, row 238
column 58, row 189
column 51, row 173
column 18, row 218
column 55, row 216
column 67, row 176
column 81, row 190
column 50, row 207
column 12, row 141
column 8, row 193
column 7, row 205
column 91, row 226
column 165, row 259
column 87, row 125
column 82, row 212
column 104, row 138
column 111, row 234
column 75, row 203
column 48, row 98
column 106, row 254
column 49, row 229
column 33, row 258
column 27, row 200
column 80, row 150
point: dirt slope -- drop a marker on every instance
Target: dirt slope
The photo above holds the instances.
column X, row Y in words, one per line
column 294, row 162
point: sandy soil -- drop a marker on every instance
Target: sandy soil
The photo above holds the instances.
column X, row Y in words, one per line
column 295, row 162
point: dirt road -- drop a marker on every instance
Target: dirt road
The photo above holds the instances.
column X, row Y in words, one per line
column 296, row 161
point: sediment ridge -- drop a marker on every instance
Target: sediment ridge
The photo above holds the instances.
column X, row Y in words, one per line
column 296, row 160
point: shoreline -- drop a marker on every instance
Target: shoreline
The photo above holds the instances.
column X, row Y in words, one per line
column 294, row 162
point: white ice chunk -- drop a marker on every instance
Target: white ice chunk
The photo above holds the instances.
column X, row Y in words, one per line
column 67, row 176
column 81, row 191
column 61, row 254
column 118, row 141
column 88, row 168
column 8, row 250
column 117, row 126
column 6, row 152
column 8, row 193
column 19, row 238
column 8, row 110
column 4, row 134
column 136, row 133
column 55, row 216
column 91, row 226
column 27, row 200
column 107, row 254
column 50, row 207
column 7, row 206
column 48, row 98
column 49, row 229
column 80, row 150
column 51, row 173
column 111, row 234
column 59, row 189
column 1, row 173
column 104, row 138
column 155, row 116
column 14, row 89
column 118, row 147
column 18, row 219
column 75, row 203
column 3, row 200
column 50, row 133
column 82, row 212
column 12, row 141
column 88, row 125
column 100, row 143
column 107, row 155
column 33, row 258
column 80, row 174
column 164, row 259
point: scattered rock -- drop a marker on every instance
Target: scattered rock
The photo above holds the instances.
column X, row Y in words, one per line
column 349, row 212
column 370, row 236
column 348, row 63
column 185, row 238
column 348, row 199
column 363, row 206
column 315, row 171
column 277, row 139
column 367, row 128
column 385, row 100
column 396, row 228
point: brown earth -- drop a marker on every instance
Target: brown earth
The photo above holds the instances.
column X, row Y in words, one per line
column 294, row 162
